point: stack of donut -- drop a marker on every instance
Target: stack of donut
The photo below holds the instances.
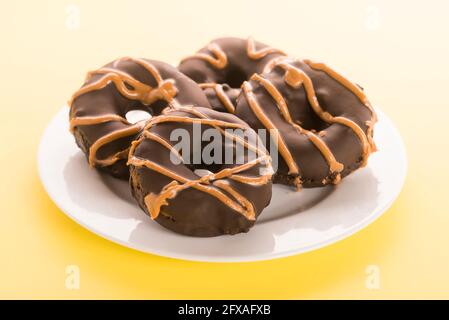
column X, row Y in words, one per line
column 316, row 124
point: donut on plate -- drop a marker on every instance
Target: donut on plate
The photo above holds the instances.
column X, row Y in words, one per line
column 200, row 198
column 98, row 109
column 323, row 122
column 221, row 67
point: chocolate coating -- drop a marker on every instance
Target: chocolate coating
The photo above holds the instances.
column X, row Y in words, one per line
column 227, row 62
column 324, row 121
column 227, row 200
column 98, row 109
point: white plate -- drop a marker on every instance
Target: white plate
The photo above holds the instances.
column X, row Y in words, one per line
column 295, row 222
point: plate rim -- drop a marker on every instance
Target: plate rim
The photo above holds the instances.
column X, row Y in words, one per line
column 369, row 219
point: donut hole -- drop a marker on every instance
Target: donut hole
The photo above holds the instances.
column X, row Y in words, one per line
column 135, row 116
column 138, row 111
column 308, row 119
column 156, row 107
column 196, row 158
column 313, row 124
column 204, row 169
column 236, row 77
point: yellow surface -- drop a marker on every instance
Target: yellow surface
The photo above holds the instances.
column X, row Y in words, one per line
column 397, row 50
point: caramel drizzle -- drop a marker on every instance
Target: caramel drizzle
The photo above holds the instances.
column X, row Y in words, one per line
column 210, row 183
column 115, row 135
column 282, row 146
column 224, row 99
column 259, row 54
column 295, row 77
column 130, row 88
column 334, row 165
column 355, row 90
column 85, row 121
column 217, row 124
column 251, row 180
column 227, row 134
column 163, row 142
column 219, row 60
column 252, row 53
column 212, row 122
column 272, row 63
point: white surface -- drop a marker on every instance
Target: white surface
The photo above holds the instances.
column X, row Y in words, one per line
column 295, row 222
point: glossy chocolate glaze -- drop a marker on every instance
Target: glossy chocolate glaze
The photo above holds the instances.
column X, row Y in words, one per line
column 325, row 122
column 99, row 107
column 227, row 62
column 227, row 200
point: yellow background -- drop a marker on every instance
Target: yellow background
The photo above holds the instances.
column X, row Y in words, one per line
column 399, row 52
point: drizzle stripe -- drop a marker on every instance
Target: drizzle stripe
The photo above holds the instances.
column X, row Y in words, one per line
column 258, row 112
column 296, row 77
column 224, row 99
column 155, row 201
column 140, row 91
column 256, row 55
column 197, row 184
column 226, row 133
column 354, row 89
column 334, row 165
column 115, row 135
column 85, row 121
column 219, row 61
column 162, row 141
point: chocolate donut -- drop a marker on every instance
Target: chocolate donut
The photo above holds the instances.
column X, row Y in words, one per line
column 98, row 109
column 221, row 67
column 226, row 198
column 323, row 122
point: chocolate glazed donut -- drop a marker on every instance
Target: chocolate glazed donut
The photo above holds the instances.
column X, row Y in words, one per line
column 98, row 109
column 324, row 122
column 226, row 199
column 221, row 67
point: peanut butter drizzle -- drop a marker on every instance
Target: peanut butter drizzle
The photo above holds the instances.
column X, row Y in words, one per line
column 224, row 99
column 355, row 90
column 148, row 66
column 142, row 92
column 295, row 78
column 115, row 135
column 163, row 142
column 217, row 124
column 168, row 96
column 272, row 63
column 257, row 181
column 154, row 202
column 334, row 165
column 256, row 55
column 264, row 155
column 257, row 149
column 86, row 121
column 219, row 61
column 258, row 112
column 212, row 122
column 243, row 202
